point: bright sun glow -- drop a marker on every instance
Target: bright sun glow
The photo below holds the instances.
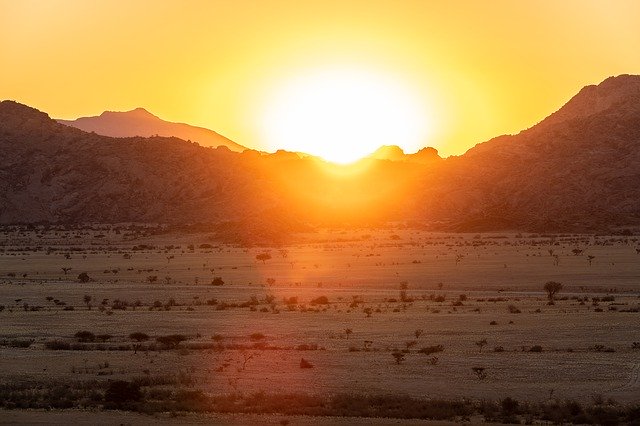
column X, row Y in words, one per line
column 343, row 115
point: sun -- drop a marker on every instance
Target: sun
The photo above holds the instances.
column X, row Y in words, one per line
column 343, row 114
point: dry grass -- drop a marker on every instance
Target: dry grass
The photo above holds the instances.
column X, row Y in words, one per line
column 245, row 336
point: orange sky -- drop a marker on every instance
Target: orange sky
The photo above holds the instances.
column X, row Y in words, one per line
column 484, row 68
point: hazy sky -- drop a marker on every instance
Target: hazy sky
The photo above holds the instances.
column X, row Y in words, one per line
column 483, row 68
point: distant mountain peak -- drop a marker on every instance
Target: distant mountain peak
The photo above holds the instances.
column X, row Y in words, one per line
column 141, row 122
column 594, row 99
column 9, row 107
column 134, row 113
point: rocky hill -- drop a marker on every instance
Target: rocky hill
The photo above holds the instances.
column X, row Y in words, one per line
column 577, row 170
column 140, row 122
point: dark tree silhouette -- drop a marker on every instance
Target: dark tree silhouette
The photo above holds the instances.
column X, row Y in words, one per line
column 552, row 288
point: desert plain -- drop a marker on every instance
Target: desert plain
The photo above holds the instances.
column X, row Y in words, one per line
column 362, row 313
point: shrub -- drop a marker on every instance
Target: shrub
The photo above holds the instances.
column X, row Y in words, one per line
column 139, row 337
column 121, row 392
column 257, row 336
column 322, row 300
column 398, row 356
column 217, row 281
column 514, row 310
column 305, row 364
column 509, row 405
column 431, row 349
column 85, row 336
column 480, row 372
column 104, row 337
column 171, row 341
column 17, row 343
column 57, row 345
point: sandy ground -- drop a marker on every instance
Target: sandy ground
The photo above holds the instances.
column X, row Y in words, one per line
column 493, row 272
column 98, row 418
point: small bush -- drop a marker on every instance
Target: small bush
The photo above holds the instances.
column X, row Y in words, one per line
column 305, row 364
column 121, row 392
column 431, row 349
column 171, row 341
column 57, row 345
column 17, row 343
column 257, row 336
column 85, row 336
column 322, row 300
column 139, row 337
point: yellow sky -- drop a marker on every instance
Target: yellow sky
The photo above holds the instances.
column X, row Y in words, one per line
column 484, row 68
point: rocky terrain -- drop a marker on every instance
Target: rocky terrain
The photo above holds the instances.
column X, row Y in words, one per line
column 577, row 170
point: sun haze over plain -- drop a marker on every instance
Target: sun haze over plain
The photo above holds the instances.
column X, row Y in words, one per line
column 412, row 73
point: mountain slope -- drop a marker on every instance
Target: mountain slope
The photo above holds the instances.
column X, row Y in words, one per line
column 140, row 122
column 577, row 170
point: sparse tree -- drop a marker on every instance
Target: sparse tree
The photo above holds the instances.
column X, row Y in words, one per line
column 139, row 338
column 481, row 343
column 552, row 288
column 347, row 332
column 419, row 332
column 590, row 259
column 87, row 301
column 66, row 270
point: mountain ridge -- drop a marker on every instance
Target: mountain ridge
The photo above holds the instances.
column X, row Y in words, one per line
column 579, row 173
column 141, row 122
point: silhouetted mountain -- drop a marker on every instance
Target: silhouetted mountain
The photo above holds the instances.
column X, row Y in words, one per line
column 140, row 122
column 578, row 170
